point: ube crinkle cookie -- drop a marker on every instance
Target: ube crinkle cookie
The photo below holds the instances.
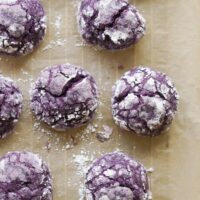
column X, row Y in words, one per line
column 144, row 101
column 10, row 105
column 111, row 24
column 22, row 26
column 24, row 176
column 64, row 96
column 117, row 176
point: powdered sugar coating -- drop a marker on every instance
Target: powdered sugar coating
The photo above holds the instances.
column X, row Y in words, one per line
column 22, row 26
column 144, row 101
column 64, row 96
column 10, row 105
column 24, row 176
column 116, row 176
column 111, row 24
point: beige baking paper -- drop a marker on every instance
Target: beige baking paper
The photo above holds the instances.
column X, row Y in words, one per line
column 171, row 45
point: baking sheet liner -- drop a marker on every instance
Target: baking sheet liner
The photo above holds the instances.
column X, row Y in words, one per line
column 171, row 45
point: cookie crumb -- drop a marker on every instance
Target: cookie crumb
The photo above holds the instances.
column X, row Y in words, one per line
column 105, row 134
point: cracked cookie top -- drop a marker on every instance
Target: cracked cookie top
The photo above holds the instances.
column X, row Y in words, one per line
column 116, row 176
column 64, row 96
column 22, row 26
column 23, row 175
column 144, row 101
column 10, row 105
column 111, row 24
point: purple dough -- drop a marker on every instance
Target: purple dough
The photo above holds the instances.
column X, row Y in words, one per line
column 24, row 176
column 22, row 26
column 116, row 176
column 10, row 105
column 64, row 96
column 111, row 24
column 144, row 101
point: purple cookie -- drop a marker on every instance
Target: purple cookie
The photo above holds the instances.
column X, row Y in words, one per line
column 111, row 24
column 64, row 96
column 10, row 105
column 22, row 26
column 116, row 176
column 24, row 176
column 144, row 101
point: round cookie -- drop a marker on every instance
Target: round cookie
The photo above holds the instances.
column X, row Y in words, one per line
column 116, row 176
column 10, row 105
column 111, row 24
column 64, row 96
column 144, row 101
column 24, row 176
column 22, row 26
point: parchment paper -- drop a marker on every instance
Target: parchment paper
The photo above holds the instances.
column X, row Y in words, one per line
column 171, row 45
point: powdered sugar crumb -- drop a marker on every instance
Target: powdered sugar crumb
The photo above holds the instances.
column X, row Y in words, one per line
column 57, row 23
column 58, row 41
column 55, row 43
column 82, row 162
column 150, row 170
column 53, row 140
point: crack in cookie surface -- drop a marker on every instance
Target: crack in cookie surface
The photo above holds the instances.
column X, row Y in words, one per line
column 111, row 24
column 22, row 26
column 10, row 105
column 23, row 175
column 144, row 101
column 64, row 96
column 116, row 176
